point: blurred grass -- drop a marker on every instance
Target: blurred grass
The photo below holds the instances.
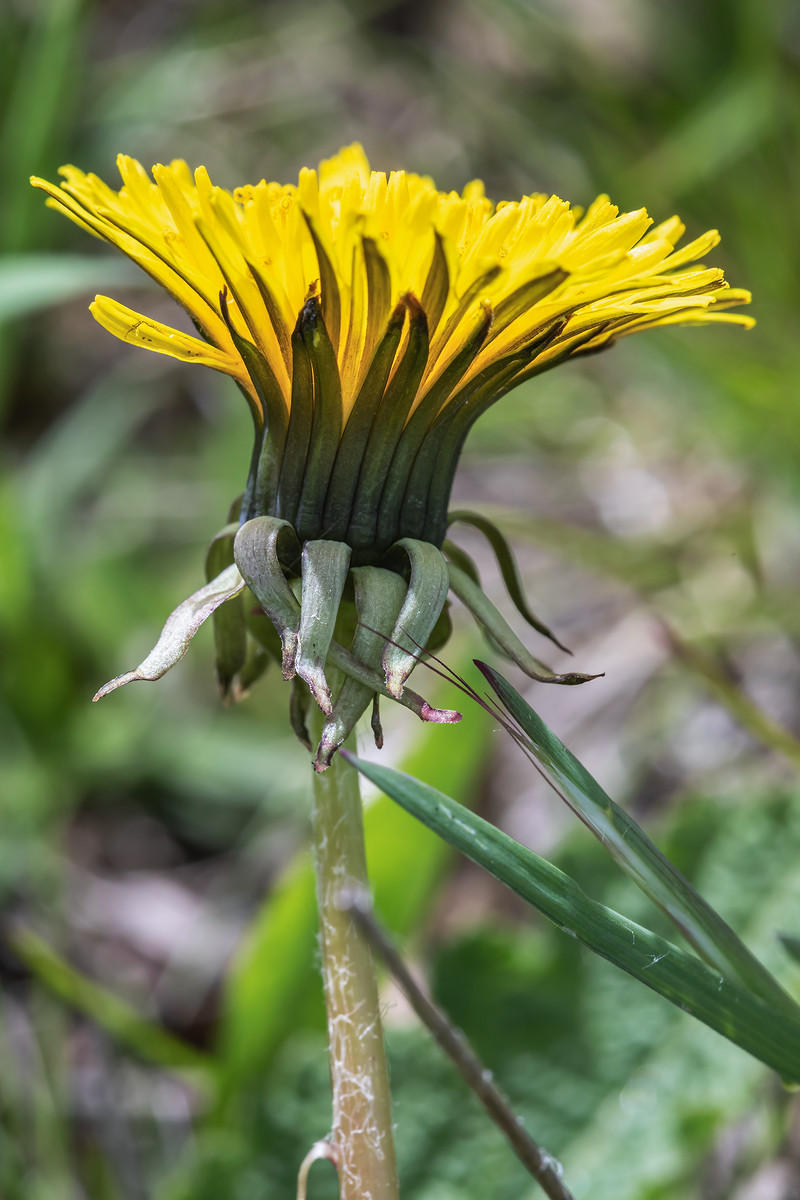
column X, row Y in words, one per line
column 665, row 470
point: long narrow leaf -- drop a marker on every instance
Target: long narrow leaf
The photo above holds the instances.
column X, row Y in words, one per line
column 768, row 1033
column 630, row 846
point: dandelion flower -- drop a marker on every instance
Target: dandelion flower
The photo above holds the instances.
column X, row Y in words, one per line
column 369, row 320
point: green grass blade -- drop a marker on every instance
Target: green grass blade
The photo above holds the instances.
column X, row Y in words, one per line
column 758, row 724
column 768, row 1033
column 45, row 82
column 116, row 1016
column 631, row 848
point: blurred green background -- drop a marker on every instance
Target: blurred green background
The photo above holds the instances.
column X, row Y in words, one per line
column 160, row 1016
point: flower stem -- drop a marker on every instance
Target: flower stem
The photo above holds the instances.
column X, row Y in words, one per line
column 362, row 1125
column 544, row 1168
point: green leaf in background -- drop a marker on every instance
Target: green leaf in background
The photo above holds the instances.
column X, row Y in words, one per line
column 40, row 86
column 146, row 1039
column 29, row 282
column 42, row 90
column 271, row 979
column 768, row 1033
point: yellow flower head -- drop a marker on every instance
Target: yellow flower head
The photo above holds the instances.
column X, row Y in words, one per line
column 381, row 315
column 369, row 320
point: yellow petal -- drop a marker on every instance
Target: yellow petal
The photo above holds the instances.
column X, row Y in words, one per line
column 383, row 238
column 131, row 326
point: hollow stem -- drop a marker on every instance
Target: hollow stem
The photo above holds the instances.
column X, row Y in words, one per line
column 544, row 1168
column 362, row 1126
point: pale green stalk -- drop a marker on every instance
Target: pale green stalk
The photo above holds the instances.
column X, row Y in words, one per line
column 362, row 1123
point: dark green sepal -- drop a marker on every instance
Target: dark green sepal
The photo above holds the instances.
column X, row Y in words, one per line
column 431, row 401
column 503, row 635
column 423, row 604
column 368, row 321
column 254, row 666
column 524, row 298
column 324, row 571
column 259, row 546
column 508, row 568
column 453, row 425
column 375, row 722
column 379, row 295
column 441, row 632
column 248, row 506
column 351, row 666
column 230, row 633
column 379, row 596
column 326, row 425
column 571, row 347
column 330, row 298
column 352, row 448
column 428, row 487
column 387, row 429
column 274, row 311
column 462, row 560
column 262, row 495
column 424, row 510
column 473, row 294
column 263, row 633
column 437, row 284
column 298, row 712
column 261, row 375
column 298, row 435
column 270, row 438
column 413, row 435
